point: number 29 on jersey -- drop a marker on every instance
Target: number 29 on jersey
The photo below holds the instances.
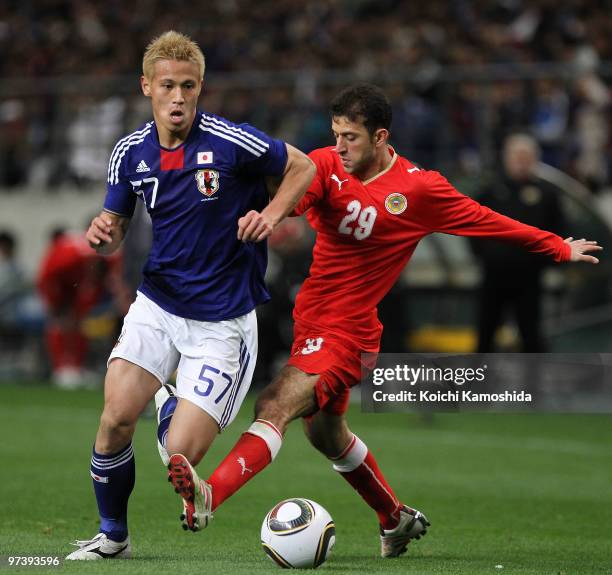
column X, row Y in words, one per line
column 358, row 221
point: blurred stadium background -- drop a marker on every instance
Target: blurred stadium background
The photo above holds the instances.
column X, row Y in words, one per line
column 461, row 76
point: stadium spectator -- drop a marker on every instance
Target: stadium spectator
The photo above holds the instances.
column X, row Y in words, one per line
column 13, row 148
column 21, row 314
column 96, row 124
column 591, row 124
column 203, row 181
column 12, row 283
column 512, row 278
column 72, row 281
column 370, row 208
column 549, row 121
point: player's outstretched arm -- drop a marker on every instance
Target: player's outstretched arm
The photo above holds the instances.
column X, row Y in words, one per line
column 106, row 232
column 299, row 172
column 580, row 248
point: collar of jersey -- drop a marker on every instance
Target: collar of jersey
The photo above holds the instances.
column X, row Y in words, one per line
column 383, row 172
column 192, row 131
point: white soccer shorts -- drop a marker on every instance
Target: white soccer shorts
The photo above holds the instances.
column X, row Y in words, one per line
column 215, row 359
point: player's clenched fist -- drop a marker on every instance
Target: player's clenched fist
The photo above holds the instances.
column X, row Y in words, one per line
column 99, row 231
column 254, row 227
column 106, row 232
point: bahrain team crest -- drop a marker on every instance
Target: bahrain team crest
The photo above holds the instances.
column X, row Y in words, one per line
column 208, row 181
column 396, row 203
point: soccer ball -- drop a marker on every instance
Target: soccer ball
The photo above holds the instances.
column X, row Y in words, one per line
column 298, row 533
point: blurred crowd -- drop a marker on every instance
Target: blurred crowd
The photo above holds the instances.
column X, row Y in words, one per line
column 81, row 37
column 461, row 74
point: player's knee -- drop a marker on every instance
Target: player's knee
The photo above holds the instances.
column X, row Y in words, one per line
column 289, row 396
column 116, row 423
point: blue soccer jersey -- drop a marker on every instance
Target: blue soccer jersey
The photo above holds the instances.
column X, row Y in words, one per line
column 195, row 194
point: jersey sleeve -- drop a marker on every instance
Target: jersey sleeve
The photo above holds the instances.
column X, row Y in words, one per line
column 316, row 190
column 120, row 197
column 257, row 153
column 443, row 209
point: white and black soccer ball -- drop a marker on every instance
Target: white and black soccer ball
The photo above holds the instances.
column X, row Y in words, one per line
column 298, row 533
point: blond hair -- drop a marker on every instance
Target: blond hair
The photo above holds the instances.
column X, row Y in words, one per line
column 172, row 45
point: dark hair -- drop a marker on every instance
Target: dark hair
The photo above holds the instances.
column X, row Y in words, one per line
column 7, row 242
column 57, row 232
column 366, row 103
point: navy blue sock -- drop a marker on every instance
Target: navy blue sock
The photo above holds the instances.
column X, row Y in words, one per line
column 113, row 480
column 165, row 416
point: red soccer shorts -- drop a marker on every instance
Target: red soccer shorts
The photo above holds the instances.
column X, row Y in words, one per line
column 335, row 358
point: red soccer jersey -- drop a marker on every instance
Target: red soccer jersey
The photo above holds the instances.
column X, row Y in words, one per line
column 368, row 230
column 73, row 277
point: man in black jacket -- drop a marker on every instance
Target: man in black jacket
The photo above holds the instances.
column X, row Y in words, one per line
column 512, row 276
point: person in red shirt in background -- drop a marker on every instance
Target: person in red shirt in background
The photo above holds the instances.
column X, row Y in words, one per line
column 72, row 280
column 370, row 207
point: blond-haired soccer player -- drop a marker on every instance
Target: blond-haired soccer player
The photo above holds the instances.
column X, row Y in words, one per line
column 203, row 181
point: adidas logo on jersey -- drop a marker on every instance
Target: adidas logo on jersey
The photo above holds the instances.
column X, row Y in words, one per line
column 142, row 167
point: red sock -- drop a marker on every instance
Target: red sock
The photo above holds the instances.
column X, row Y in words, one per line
column 358, row 466
column 255, row 449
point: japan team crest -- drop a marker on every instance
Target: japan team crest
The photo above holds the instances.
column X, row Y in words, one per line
column 396, row 203
column 208, row 181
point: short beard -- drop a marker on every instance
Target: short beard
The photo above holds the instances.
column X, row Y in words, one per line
column 363, row 164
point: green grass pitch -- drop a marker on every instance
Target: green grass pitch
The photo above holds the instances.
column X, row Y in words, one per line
column 506, row 494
